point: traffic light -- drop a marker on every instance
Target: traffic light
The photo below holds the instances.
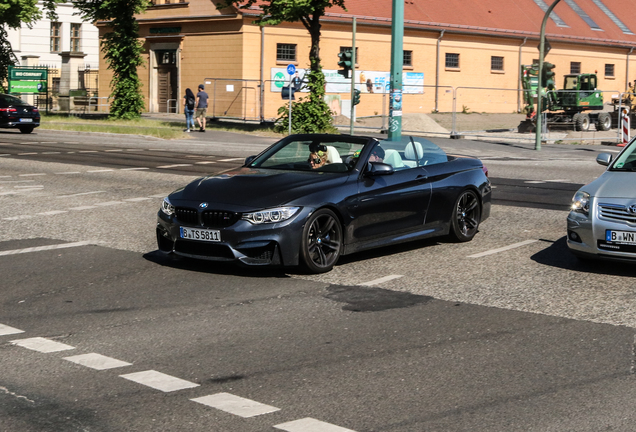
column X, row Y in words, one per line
column 547, row 75
column 345, row 62
column 356, row 97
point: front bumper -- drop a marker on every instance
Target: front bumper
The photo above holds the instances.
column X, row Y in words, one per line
column 586, row 238
column 255, row 245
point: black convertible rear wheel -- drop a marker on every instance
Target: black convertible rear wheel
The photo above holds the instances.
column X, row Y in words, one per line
column 466, row 217
column 321, row 242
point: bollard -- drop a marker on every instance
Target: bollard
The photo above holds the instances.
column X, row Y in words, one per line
column 625, row 128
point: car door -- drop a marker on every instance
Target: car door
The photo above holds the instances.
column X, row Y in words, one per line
column 389, row 204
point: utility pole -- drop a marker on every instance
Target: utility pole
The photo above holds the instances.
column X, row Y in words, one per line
column 397, row 64
column 353, row 75
column 539, row 116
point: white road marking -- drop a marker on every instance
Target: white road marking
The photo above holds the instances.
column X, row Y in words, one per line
column 100, row 170
column 174, row 166
column 52, row 212
column 68, row 172
column 82, row 208
column 159, row 381
column 205, row 162
column 231, row 160
column 235, row 405
column 29, row 187
column 97, row 361
column 133, row 169
column 80, row 193
column 158, row 195
column 108, row 203
column 502, row 249
column 137, row 199
column 310, row 425
column 88, row 151
column 6, row 330
column 17, row 217
column 26, row 154
column 41, row 344
column 381, row 280
column 31, row 175
column 45, row 248
column 115, row 150
column 5, row 154
column 47, row 153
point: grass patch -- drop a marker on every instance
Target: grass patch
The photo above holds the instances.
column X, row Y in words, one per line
column 165, row 129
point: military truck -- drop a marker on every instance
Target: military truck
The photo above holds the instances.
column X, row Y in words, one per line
column 578, row 105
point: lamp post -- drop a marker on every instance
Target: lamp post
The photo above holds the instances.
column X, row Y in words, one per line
column 397, row 64
column 537, row 143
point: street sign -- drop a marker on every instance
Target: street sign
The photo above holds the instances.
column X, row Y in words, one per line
column 17, row 74
column 291, row 69
column 546, row 47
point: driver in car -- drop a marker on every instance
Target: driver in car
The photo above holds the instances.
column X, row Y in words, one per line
column 317, row 155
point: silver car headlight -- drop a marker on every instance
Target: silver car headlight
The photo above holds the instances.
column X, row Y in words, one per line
column 270, row 215
column 167, row 207
column 581, row 203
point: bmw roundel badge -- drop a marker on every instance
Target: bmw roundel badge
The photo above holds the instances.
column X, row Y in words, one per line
column 203, row 205
column 632, row 209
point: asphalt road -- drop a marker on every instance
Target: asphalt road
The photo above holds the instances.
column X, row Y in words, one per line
column 505, row 333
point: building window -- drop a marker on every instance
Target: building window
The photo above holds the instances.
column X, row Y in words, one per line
column 408, row 58
column 286, row 52
column 496, row 63
column 56, row 39
column 609, row 70
column 76, row 31
column 452, row 61
column 575, row 67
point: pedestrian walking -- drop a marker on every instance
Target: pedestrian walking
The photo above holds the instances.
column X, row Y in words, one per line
column 188, row 108
column 202, row 107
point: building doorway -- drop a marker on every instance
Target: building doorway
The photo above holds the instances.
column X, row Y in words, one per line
column 167, row 80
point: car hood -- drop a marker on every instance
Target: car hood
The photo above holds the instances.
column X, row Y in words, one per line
column 613, row 184
column 256, row 188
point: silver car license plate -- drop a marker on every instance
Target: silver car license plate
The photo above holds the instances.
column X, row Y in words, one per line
column 200, row 234
column 26, row 120
column 623, row 237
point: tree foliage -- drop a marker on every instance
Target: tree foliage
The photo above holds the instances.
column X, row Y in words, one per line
column 14, row 13
column 122, row 50
column 313, row 113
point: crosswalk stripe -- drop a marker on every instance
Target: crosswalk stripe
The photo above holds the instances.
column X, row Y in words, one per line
column 159, row 381
column 97, row 361
column 310, row 425
column 7, row 330
column 235, row 405
column 44, row 248
column 41, row 344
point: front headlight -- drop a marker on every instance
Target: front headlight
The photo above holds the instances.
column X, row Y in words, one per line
column 270, row 215
column 581, row 203
column 167, row 207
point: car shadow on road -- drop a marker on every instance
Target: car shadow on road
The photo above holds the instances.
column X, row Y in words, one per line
column 558, row 255
column 213, row 267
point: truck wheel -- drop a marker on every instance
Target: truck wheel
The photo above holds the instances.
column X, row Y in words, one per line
column 583, row 122
column 603, row 122
column 575, row 119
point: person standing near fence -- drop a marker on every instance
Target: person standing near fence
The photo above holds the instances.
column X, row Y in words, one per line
column 188, row 108
column 202, row 107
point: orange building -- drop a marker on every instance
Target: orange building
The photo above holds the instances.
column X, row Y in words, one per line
column 456, row 52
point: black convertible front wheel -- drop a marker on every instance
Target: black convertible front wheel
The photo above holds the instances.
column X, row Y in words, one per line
column 321, row 242
column 466, row 217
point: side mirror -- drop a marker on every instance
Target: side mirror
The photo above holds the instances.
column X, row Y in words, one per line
column 378, row 168
column 249, row 159
column 604, row 159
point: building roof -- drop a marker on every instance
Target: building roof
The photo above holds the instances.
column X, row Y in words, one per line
column 598, row 22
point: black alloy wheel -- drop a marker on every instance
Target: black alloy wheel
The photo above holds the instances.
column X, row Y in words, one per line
column 321, row 242
column 466, row 217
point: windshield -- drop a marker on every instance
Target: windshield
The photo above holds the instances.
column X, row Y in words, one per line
column 7, row 101
column 323, row 153
column 626, row 161
column 411, row 152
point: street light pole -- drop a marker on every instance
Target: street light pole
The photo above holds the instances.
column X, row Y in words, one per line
column 397, row 64
column 539, row 116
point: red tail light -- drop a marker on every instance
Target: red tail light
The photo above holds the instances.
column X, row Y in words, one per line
column 8, row 110
column 35, row 110
column 484, row 168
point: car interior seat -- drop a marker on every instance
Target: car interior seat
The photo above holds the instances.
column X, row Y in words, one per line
column 413, row 153
column 332, row 155
column 392, row 157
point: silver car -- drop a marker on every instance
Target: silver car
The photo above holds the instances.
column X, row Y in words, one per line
column 602, row 220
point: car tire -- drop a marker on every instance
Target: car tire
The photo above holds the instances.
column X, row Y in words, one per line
column 321, row 243
column 466, row 216
column 604, row 121
column 26, row 130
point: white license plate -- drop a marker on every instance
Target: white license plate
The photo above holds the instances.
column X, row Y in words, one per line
column 200, row 234
column 624, row 237
column 26, row 120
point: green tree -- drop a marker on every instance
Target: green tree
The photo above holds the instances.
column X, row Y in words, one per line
column 311, row 114
column 122, row 50
column 14, row 13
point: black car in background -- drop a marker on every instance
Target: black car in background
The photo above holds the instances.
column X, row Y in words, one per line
column 308, row 199
column 15, row 113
